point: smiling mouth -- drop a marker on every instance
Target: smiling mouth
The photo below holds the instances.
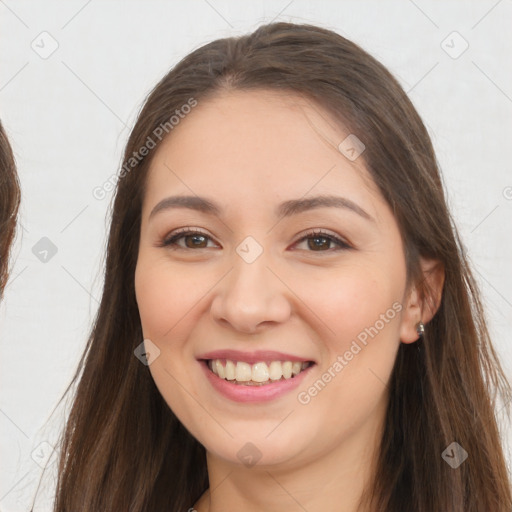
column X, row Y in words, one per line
column 257, row 374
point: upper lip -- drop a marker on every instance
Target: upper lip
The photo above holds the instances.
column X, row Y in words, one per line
column 252, row 357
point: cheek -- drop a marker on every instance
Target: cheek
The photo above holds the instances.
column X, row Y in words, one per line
column 165, row 296
column 348, row 392
column 354, row 303
column 360, row 314
column 168, row 298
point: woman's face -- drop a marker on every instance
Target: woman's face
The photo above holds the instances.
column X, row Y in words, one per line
column 274, row 277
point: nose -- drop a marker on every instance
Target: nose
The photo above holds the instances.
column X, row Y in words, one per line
column 250, row 296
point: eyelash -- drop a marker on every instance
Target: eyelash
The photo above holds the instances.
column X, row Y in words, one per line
column 171, row 242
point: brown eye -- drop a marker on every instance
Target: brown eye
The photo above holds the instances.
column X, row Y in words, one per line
column 193, row 240
column 319, row 241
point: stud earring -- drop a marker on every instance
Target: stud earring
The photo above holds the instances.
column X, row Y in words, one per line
column 420, row 329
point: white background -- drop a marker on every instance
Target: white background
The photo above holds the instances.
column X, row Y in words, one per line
column 68, row 117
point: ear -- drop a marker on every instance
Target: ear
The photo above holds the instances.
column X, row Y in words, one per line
column 422, row 299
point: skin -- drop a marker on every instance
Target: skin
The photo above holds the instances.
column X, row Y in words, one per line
column 249, row 151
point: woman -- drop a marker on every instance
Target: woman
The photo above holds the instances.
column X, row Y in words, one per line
column 288, row 320
column 9, row 204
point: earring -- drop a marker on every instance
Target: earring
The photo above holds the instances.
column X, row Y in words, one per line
column 420, row 329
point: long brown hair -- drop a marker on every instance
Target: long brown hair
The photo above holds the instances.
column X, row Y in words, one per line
column 9, row 203
column 124, row 449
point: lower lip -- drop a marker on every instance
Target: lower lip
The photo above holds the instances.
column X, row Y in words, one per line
column 242, row 393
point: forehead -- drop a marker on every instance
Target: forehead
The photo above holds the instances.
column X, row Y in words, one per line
column 260, row 145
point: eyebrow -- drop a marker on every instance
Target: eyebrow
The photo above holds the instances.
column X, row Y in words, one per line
column 285, row 209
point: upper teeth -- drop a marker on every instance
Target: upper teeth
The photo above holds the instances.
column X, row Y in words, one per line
column 257, row 372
